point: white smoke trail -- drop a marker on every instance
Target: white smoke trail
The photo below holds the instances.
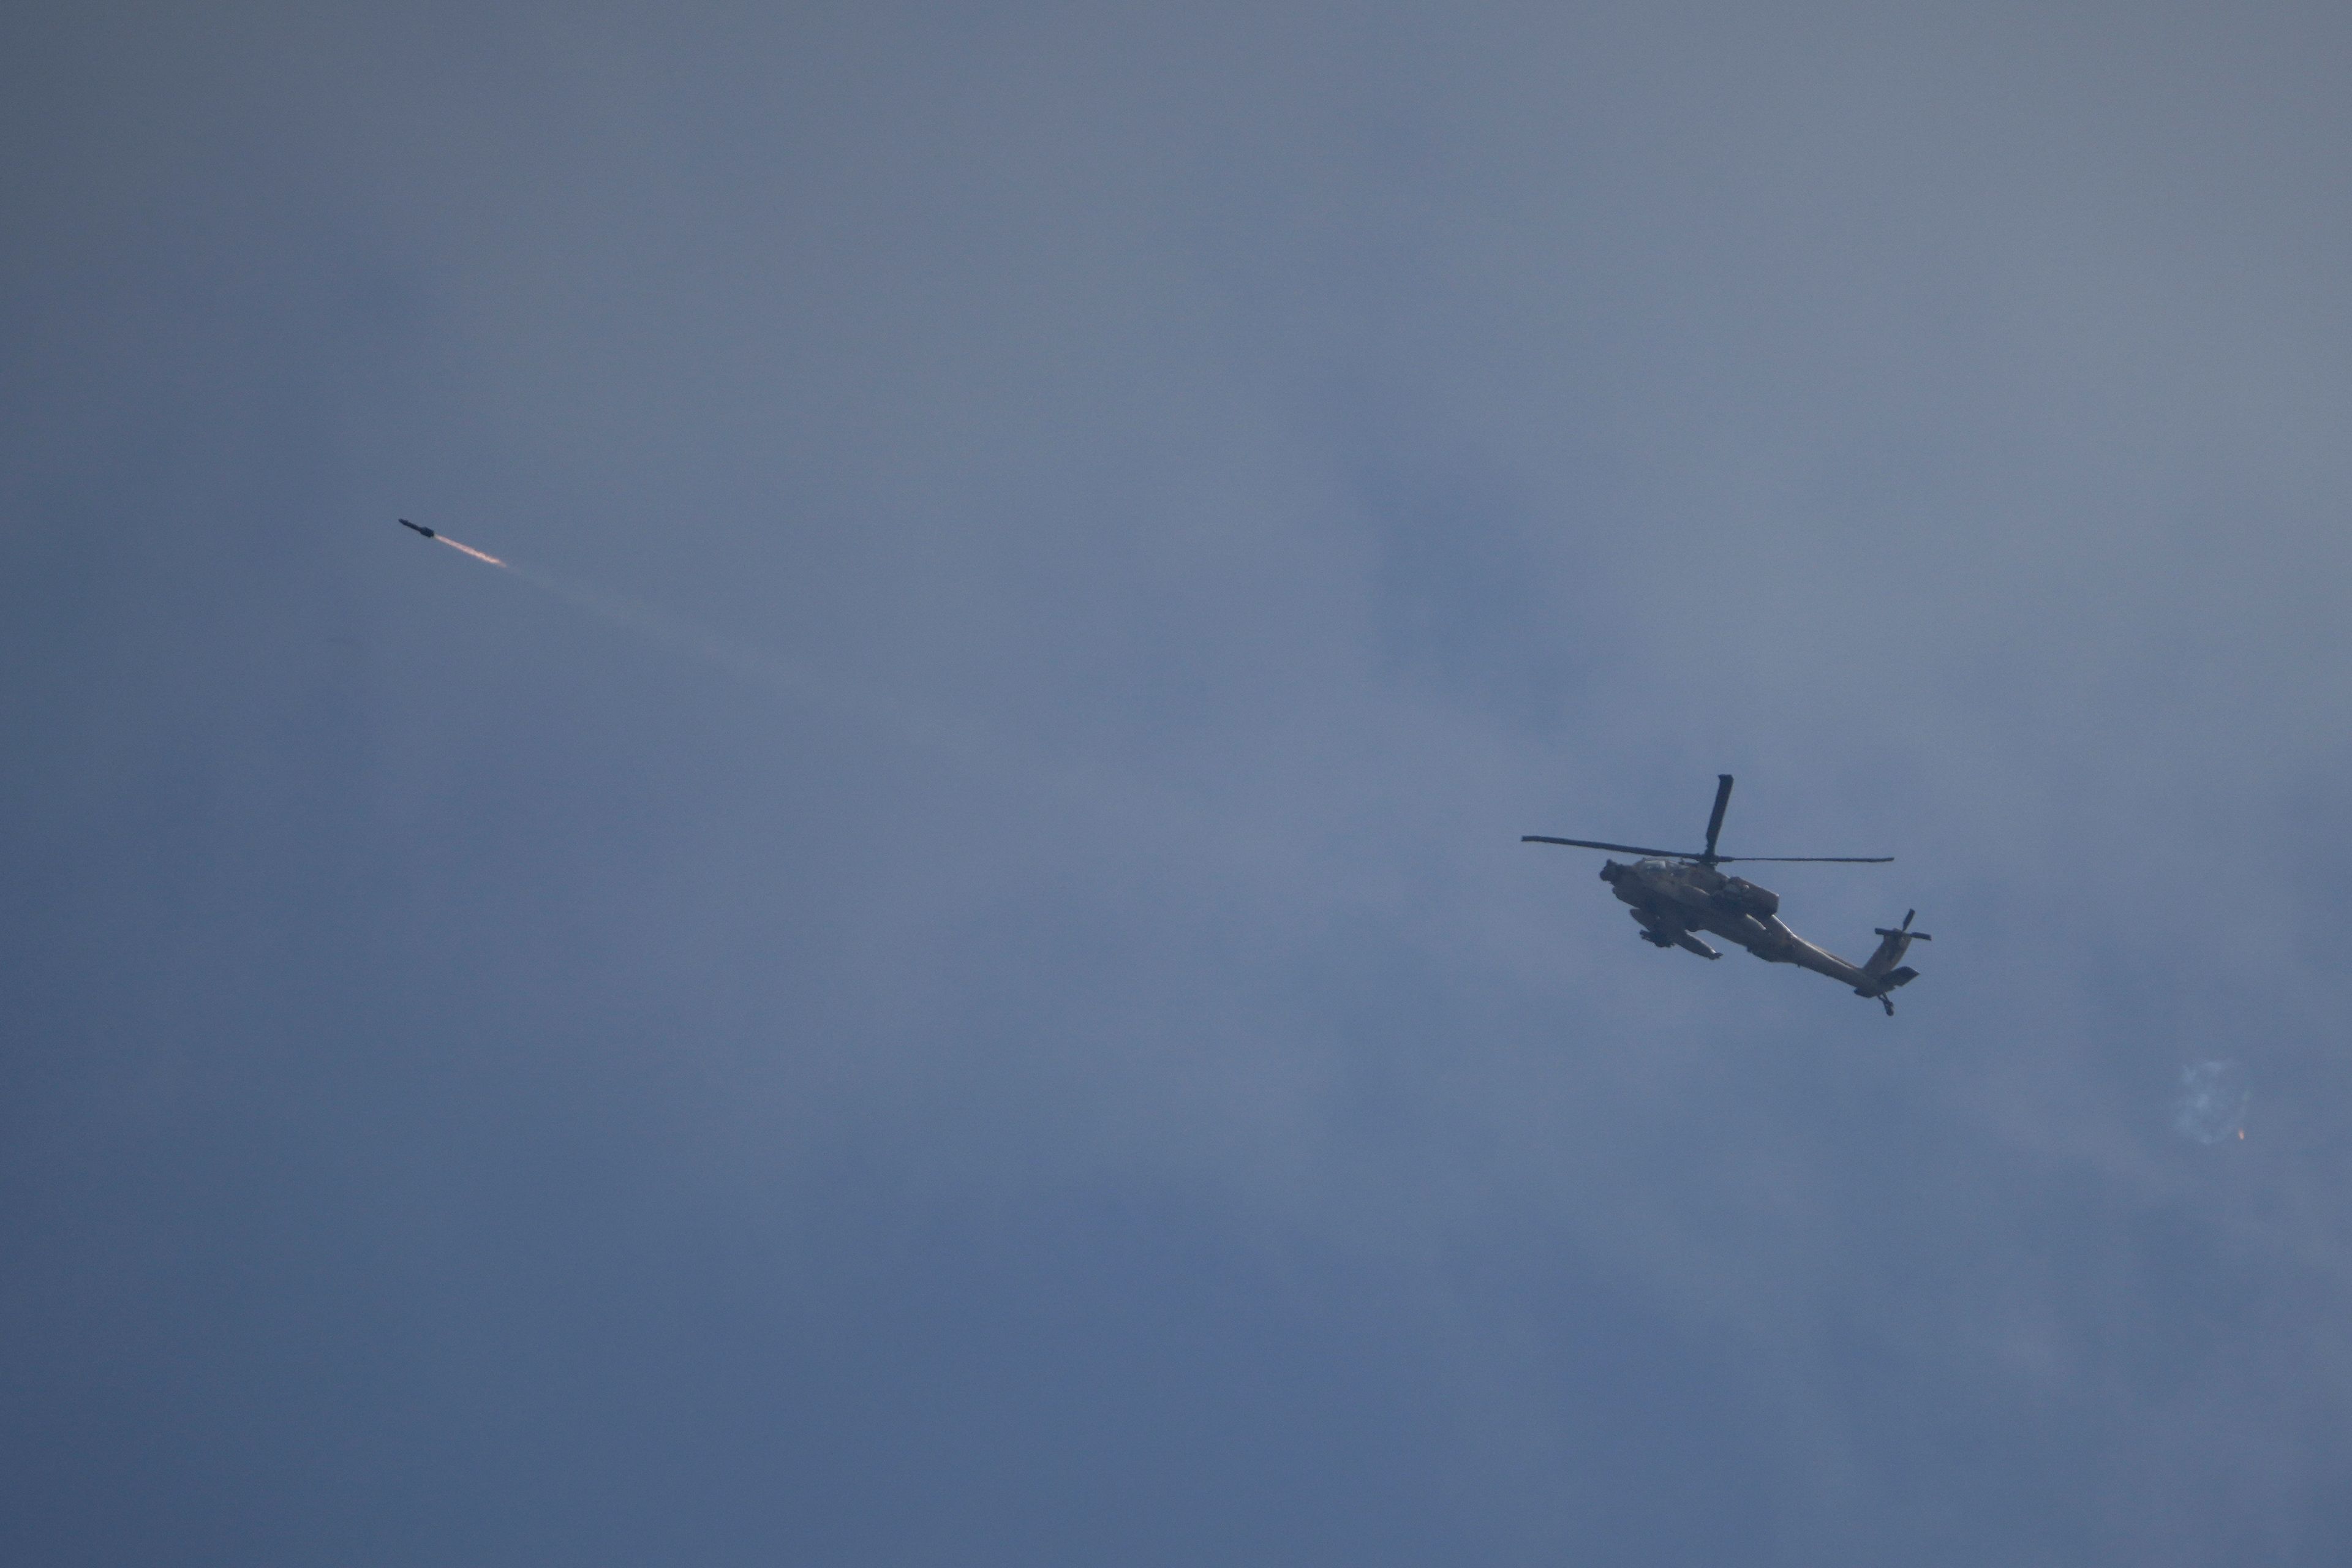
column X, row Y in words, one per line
column 1074, row 785
column 971, row 746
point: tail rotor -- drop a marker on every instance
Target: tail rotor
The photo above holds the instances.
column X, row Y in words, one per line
column 1903, row 930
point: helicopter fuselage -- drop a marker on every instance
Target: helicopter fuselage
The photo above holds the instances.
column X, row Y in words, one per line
column 1673, row 899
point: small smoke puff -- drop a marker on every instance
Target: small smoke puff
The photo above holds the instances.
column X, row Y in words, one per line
column 2213, row 1100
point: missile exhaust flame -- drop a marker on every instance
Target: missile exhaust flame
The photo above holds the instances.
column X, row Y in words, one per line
column 469, row 549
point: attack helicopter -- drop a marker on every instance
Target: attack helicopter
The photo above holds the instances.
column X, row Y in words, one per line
column 1676, row 894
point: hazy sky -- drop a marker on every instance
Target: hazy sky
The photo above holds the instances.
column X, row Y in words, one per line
column 944, row 974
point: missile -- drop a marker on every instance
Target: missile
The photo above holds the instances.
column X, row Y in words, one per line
column 413, row 528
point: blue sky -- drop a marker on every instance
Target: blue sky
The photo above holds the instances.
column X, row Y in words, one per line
column 945, row 974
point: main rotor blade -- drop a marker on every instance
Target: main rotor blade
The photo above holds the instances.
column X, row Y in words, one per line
column 1596, row 844
column 1714, row 823
column 1815, row 860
